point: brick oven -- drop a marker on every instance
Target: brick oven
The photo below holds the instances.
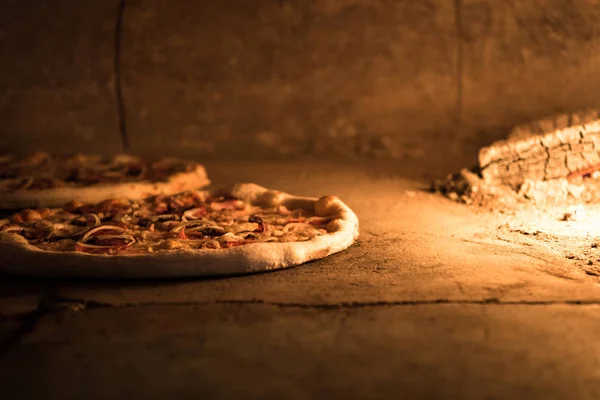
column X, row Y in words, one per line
column 461, row 132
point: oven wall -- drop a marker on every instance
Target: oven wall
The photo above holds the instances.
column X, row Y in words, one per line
column 403, row 79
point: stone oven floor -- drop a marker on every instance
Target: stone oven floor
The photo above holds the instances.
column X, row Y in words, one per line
column 434, row 301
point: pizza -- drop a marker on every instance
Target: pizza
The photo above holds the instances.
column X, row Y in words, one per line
column 43, row 180
column 246, row 228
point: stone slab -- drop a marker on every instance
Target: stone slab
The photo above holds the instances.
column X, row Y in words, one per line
column 56, row 76
column 257, row 351
column 414, row 246
column 19, row 297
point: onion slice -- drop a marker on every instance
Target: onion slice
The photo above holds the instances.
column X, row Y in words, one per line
column 192, row 224
column 130, row 240
column 13, row 228
column 103, row 228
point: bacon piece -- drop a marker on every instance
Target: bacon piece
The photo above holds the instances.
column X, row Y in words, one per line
column 28, row 215
column 192, row 234
column 159, row 204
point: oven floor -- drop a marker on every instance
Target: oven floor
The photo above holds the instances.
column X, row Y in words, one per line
column 434, row 301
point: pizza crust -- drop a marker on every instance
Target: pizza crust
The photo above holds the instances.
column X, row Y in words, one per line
column 21, row 258
column 57, row 197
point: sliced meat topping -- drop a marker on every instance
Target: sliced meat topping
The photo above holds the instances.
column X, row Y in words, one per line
column 189, row 220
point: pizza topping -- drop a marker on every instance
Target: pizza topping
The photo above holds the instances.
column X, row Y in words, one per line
column 236, row 243
column 230, row 237
column 12, row 228
column 44, row 224
column 227, row 205
column 163, row 217
column 90, row 219
column 245, row 227
column 105, row 230
column 209, row 244
column 59, row 245
column 104, row 243
column 194, row 213
column 40, row 171
column 297, row 227
column 189, row 220
column 255, row 218
column 212, row 231
column 169, row 244
column 73, row 206
column 318, row 221
column 27, row 216
column 192, row 224
column 31, row 234
column 67, row 230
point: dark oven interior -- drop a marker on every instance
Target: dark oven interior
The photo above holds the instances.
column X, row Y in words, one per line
column 462, row 133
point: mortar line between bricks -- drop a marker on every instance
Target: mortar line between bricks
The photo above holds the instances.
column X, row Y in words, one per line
column 118, row 85
column 30, row 321
column 458, row 25
column 90, row 304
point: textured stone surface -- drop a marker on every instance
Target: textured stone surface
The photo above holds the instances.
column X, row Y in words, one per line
column 434, row 302
column 264, row 352
column 414, row 246
column 19, row 298
column 526, row 60
column 288, row 77
column 56, row 76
